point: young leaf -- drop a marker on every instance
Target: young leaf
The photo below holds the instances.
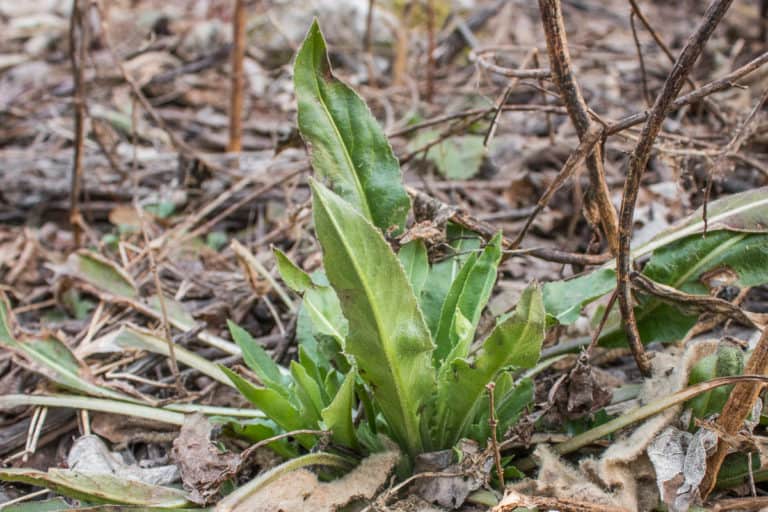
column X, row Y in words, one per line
column 349, row 151
column 469, row 294
column 563, row 300
column 296, row 279
column 276, row 406
column 443, row 274
column 413, row 257
column 387, row 334
column 515, row 341
column 338, row 415
column 308, row 392
column 257, row 359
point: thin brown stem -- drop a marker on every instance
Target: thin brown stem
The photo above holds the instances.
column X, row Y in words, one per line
column 77, row 46
column 235, row 144
column 560, row 63
column 430, row 51
column 638, row 161
column 640, row 59
column 575, row 159
column 492, row 424
column 503, row 101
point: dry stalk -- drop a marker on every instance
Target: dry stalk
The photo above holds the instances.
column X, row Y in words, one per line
column 736, row 410
column 235, row 144
column 493, row 423
column 77, row 47
column 638, row 161
column 560, row 63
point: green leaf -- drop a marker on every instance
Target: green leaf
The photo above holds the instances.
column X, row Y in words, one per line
column 296, row 279
column 413, row 257
column 255, row 430
column 98, row 488
column 130, row 337
column 338, row 415
column 257, row 359
column 739, row 256
column 387, row 334
column 349, row 151
column 563, row 300
column 443, row 273
column 52, row 359
column 275, row 405
column 457, row 158
column 308, row 392
column 515, row 341
column 102, row 273
column 468, row 294
column 746, row 212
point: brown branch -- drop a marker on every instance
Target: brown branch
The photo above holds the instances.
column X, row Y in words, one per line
column 736, row 410
column 77, row 58
column 660, row 43
column 502, row 101
column 235, row 144
column 640, row 59
column 430, row 51
column 638, row 161
column 560, row 62
column 720, row 84
column 493, row 424
column 575, row 159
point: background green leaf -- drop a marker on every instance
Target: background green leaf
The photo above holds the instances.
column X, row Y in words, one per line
column 413, row 257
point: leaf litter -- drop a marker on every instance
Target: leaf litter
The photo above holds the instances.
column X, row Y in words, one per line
column 89, row 320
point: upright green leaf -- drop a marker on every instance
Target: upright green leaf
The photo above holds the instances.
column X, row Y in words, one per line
column 468, row 294
column 257, row 358
column 308, row 392
column 349, row 151
column 387, row 334
column 413, row 256
column 338, row 415
column 515, row 341
column 298, row 280
column 443, row 273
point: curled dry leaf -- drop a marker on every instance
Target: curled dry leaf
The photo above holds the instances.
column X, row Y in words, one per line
column 301, row 490
column 452, row 491
column 204, row 468
column 680, row 461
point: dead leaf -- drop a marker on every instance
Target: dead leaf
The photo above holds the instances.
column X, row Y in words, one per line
column 301, row 490
column 89, row 455
column 452, row 491
column 204, row 468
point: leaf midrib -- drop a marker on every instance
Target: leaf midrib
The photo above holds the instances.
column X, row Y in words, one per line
column 411, row 430
column 347, row 156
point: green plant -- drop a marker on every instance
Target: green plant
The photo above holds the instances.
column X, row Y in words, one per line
column 387, row 330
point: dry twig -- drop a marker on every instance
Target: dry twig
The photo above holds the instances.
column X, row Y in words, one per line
column 560, row 62
column 235, row 144
column 638, row 161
